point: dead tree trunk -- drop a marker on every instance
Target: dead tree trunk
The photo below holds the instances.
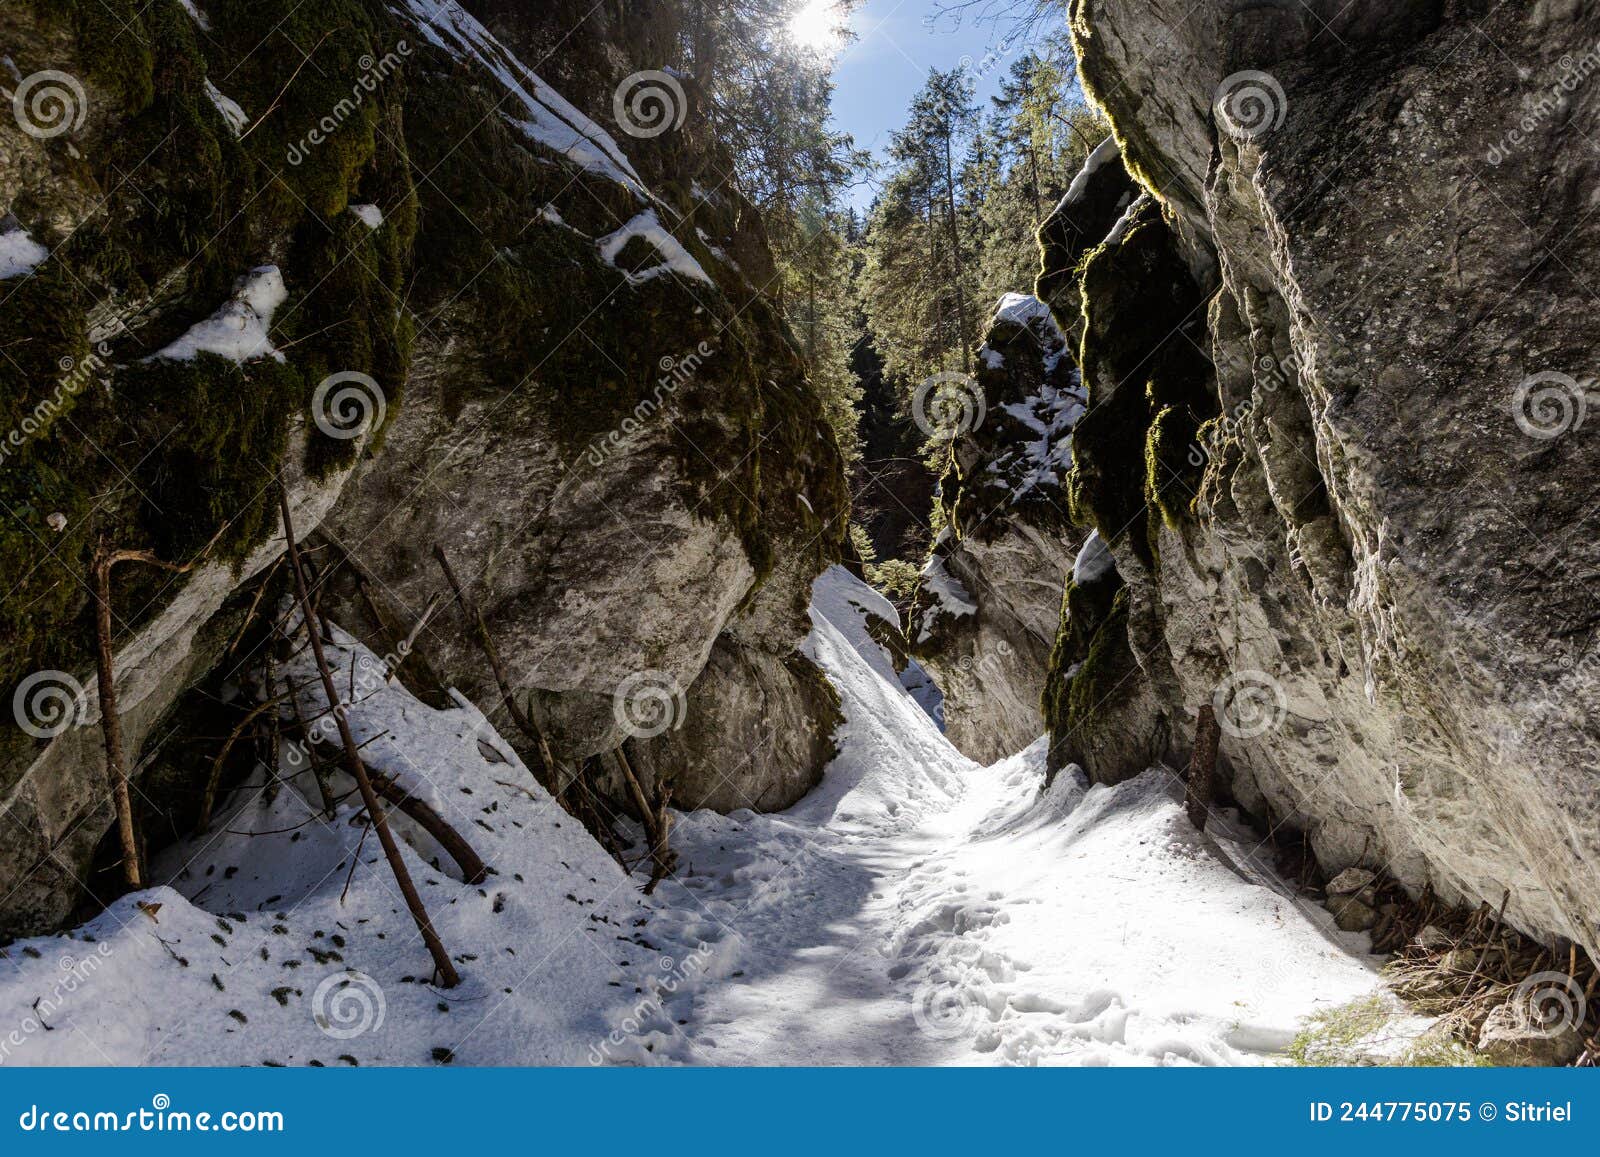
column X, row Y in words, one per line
column 448, row 978
column 1202, row 768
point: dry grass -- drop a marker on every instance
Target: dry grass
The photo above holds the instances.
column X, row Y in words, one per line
column 1477, row 965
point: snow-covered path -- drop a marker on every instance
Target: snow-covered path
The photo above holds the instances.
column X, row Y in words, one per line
column 915, row 908
column 919, row 909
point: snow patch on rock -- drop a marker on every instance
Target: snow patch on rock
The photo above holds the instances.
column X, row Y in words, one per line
column 194, row 11
column 1094, row 561
column 647, row 226
column 19, row 253
column 239, row 330
column 236, row 117
column 948, row 596
column 548, row 118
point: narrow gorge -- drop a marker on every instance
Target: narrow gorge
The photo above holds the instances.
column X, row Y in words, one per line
column 1126, row 593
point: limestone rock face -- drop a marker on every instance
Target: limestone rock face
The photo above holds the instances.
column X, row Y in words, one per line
column 756, row 731
column 651, row 485
column 1379, row 557
column 59, row 801
column 991, row 603
column 573, row 386
column 987, row 609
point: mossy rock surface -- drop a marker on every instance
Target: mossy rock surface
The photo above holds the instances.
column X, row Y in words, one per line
column 1142, row 355
column 173, row 456
column 166, row 455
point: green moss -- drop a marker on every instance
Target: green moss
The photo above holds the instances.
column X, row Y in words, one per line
column 1141, row 356
column 1173, row 465
column 124, row 64
column 1089, row 662
column 1097, row 76
column 1352, row 1034
column 1329, row 1037
column 173, row 456
column 215, row 466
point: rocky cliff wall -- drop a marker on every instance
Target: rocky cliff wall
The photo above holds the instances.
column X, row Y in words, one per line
column 1337, row 375
column 453, row 302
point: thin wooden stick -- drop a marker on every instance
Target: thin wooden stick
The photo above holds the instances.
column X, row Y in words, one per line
column 657, row 823
column 403, row 651
column 318, row 773
column 250, row 614
column 1494, row 931
column 430, row 821
column 106, row 678
column 455, row 845
column 368, row 584
column 521, row 718
column 663, row 855
column 209, row 798
column 354, row 860
column 448, row 977
column 277, row 100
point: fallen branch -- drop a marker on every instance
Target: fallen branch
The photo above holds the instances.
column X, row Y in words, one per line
column 448, row 977
column 430, row 821
column 657, row 823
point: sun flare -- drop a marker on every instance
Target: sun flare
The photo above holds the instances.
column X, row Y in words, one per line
column 818, row 25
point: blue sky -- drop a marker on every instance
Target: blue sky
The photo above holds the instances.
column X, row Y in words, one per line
column 879, row 72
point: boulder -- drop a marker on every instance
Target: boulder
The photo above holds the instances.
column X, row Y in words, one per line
column 1509, row 1037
